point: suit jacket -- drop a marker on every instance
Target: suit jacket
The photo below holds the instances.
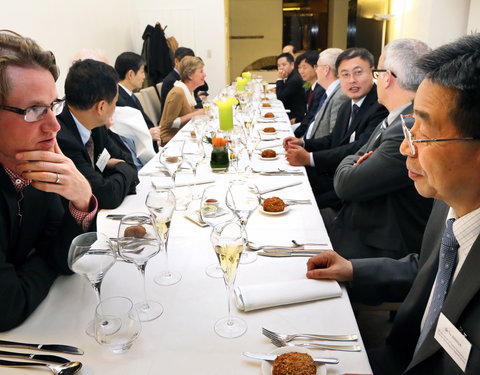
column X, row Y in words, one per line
column 292, row 95
column 125, row 100
column 312, row 109
column 110, row 186
column 167, row 85
column 382, row 213
column 33, row 251
column 461, row 307
column 327, row 116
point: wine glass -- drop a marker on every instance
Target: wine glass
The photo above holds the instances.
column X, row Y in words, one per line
column 137, row 243
column 242, row 199
column 127, row 328
column 91, row 255
column 252, row 143
column 228, row 240
column 199, row 122
column 213, row 211
column 161, row 205
column 171, row 159
column 193, row 153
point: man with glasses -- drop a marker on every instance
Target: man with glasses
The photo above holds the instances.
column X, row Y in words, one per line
column 382, row 214
column 436, row 330
column 44, row 200
column 356, row 120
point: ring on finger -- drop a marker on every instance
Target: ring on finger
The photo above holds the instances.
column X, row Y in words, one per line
column 58, row 179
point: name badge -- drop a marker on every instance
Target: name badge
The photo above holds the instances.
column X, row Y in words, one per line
column 453, row 341
column 103, row 159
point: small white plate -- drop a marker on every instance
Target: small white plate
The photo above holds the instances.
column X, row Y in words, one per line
column 268, row 133
column 267, row 366
column 274, row 213
column 267, row 159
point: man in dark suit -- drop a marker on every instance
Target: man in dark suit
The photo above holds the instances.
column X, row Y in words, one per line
column 307, row 63
column 200, row 92
column 44, row 200
column 436, row 329
column 356, row 120
column 131, row 71
column 379, row 199
column 91, row 94
column 289, row 88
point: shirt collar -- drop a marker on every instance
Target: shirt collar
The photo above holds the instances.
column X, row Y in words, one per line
column 84, row 132
column 359, row 103
column 331, row 88
column 19, row 183
column 129, row 92
column 396, row 112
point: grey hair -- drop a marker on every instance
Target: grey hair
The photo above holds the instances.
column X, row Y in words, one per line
column 400, row 57
column 329, row 57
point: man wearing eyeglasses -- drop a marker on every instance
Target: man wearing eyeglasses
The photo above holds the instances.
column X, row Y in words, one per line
column 44, row 200
column 436, row 330
column 382, row 214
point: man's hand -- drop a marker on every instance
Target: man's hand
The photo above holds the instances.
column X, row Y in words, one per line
column 155, row 133
column 282, row 74
column 329, row 265
column 362, row 158
column 292, row 140
column 297, row 155
column 112, row 162
column 53, row 172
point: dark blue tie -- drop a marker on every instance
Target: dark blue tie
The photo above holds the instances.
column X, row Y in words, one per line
column 137, row 102
column 446, row 265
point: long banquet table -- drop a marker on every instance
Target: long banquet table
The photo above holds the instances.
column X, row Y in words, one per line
column 182, row 340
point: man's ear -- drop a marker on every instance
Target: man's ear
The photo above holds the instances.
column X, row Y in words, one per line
column 130, row 74
column 99, row 107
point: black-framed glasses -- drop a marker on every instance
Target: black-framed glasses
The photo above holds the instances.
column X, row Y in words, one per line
column 36, row 113
column 376, row 72
column 411, row 142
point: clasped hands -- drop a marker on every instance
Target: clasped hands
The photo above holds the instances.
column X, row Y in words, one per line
column 296, row 155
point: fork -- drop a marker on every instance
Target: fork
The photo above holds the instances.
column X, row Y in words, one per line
column 252, row 246
column 283, row 337
column 342, row 348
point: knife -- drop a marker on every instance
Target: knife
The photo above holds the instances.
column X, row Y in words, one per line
column 280, row 254
column 115, row 216
column 281, row 187
column 49, row 347
column 272, row 357
column 38, row 357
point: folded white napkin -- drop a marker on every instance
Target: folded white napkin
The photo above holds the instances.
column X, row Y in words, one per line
column 166, row 182
column 254, row 297
column 268, row 186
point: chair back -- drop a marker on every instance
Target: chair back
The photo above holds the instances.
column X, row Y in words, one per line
column 152, row 106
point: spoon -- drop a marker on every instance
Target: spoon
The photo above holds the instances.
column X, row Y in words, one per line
column 63, row 369
column 308, row 244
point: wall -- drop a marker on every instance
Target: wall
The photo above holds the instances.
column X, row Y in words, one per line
column 116, row 26
column 337, row 23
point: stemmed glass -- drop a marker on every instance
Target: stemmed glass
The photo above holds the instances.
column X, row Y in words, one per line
column 242, row 199
column 161, row 205
column 171, row 160
column 228, row 240
column 137, row 243
column 252, row 143
column 91, row 255
column 193, row 153
column 213, row 211
column 199, row 123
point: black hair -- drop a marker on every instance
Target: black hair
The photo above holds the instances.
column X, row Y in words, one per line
column 310, row 57
column 181, row 52
column 353, row 52
column 88, row 82
column 456, row 66
column 127, row 61
column 288, row 56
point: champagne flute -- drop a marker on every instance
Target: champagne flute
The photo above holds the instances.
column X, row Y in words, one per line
column 228, row 240
column 161, row 205
column 242, row 199
column 91, row 255
column 213, row 211
column 137, row 243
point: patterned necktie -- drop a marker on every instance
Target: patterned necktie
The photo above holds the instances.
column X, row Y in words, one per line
column 355, row 109
column 89, row 147
column 309, row 96
column 446, row 265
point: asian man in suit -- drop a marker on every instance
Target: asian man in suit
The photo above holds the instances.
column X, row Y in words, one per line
column 91, row 91
column 436, row 329
column 44, row 200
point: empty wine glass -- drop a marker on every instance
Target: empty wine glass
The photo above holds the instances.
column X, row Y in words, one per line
column 199, row 123
column 242, row 199
column 228, row 240
column 193, row 153
column 171, row 159
column 161, row 205
column 119, row 337
column 91, row 255
column 213, row 211
column 137, row 243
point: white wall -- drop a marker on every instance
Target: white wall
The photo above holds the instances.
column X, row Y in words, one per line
column 115, row 26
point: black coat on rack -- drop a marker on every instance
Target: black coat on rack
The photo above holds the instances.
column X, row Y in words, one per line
column 156, row 53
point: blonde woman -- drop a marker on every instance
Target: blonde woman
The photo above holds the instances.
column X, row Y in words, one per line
column 180, row 102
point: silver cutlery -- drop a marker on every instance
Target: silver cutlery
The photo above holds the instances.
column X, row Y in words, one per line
column 287, row 338
column 115, row 216
column 252, row 246
column 290, row 202
column 63, row 369
column 342, row 348
column 38, row 357
column 298, row 244
column 283, row 254
column 48, row 347
column 294, row 251
column 281, row 173
column 281, row 187
column 272, row 357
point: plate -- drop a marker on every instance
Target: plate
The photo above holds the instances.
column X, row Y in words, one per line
column 267, row 159
column 273, row 213
column 268, row 133
column 267, row 366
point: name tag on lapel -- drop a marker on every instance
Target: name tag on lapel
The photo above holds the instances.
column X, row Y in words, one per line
column 453, row 341
column 103, row 159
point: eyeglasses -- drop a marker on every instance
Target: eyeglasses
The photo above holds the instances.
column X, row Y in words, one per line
column 319, row 65
column 376, row 72
column 356, row 73
column 36, row 113
column 411, row 142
